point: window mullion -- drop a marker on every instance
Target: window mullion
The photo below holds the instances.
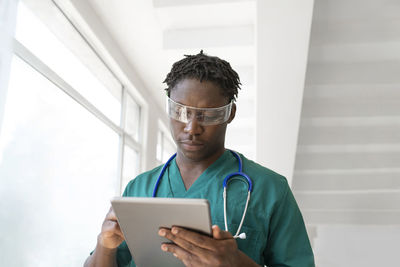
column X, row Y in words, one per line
column 129, row 141
column 122, row 140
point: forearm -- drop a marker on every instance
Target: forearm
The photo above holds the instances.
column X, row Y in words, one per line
column 102, row 257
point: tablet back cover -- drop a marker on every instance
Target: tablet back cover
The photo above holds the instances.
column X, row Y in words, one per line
column 141, row 218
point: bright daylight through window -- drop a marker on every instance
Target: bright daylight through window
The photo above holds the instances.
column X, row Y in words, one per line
column 165, row 145
column 60, row 159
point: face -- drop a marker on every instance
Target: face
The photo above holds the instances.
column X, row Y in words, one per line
column 194, row 141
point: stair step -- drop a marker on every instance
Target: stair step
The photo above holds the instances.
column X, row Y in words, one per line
column 356, row 217
column 339, row 135
column 376, row 121
column 349, row 11
column 359, row 52
column 353, row 72
column 349, row 200
column 335, row 180
column 379, row 91
column 363, row 30
column 354, row 106
column 347, row 160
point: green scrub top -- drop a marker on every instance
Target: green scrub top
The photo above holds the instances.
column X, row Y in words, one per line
column 274, row 227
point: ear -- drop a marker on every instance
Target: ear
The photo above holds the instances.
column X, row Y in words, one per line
column 233, row 113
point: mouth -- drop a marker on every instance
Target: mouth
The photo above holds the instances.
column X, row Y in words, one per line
column 192, row 145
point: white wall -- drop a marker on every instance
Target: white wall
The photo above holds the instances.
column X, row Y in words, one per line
column 283, row 33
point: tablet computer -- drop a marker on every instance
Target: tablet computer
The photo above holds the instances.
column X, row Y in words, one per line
column 140, row 219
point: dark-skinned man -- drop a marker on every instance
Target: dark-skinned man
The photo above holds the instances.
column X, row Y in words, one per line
column 201, row 93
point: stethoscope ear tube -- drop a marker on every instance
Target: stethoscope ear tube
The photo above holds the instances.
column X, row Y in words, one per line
column 237, row 235
column 249, row 190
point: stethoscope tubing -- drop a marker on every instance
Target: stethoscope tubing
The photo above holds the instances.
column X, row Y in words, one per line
column 161, row 174
column 225, row 185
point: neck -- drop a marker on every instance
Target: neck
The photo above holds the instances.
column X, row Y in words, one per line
column 191, row 169
column 187, row 163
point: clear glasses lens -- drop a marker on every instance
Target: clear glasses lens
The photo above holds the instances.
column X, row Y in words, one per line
column 203, row 116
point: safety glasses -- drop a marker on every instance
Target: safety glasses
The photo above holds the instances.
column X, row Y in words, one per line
column 204, row 116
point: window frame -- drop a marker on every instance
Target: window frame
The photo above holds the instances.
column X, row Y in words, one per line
column 164, row 132
column 37, row 64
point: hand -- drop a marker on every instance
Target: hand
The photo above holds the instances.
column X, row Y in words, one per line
column 195, row 249
column 111, row 235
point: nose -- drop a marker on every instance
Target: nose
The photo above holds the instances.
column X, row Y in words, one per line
column 193, row 127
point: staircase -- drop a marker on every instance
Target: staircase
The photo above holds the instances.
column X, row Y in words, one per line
column 347, row 172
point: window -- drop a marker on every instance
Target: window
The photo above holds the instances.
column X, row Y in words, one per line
column 132, row 120
column 165, row 145
column 131, row 137
column 130, row 166
column 70, row 140
column 58, row 173
column 105, row 94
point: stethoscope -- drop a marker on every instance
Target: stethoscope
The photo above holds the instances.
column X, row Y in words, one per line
column 225, row 184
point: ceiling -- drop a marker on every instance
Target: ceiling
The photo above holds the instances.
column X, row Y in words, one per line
column 155, row 34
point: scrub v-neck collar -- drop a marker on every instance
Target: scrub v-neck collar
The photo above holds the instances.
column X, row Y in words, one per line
column 176, row 182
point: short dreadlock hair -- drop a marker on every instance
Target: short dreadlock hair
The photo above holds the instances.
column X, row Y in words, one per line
column 205, row 68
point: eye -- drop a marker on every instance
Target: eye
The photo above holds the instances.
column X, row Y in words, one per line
column 177, row 112
column 188, row 113
column 200, row 116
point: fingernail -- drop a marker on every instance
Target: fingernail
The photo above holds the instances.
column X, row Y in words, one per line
column 164, row 247
column 176, row 256
column 161, row 232
column 174, row 231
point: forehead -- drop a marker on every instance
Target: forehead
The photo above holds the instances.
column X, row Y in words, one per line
column 192, row 92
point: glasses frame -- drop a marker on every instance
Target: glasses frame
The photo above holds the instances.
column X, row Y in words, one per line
column 227, row 112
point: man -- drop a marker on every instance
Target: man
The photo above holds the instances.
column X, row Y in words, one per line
column 202, row 90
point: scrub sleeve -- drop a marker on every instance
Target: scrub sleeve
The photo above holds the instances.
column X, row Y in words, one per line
column 288, row 243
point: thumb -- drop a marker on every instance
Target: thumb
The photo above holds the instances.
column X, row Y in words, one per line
column 219, row 234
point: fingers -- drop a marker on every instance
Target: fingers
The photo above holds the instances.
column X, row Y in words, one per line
column 175, row 236
column 111, row 235
column 183, row 255
column 111, row 228
column 219, row 234
column 111, row 224
column 111, row 215
column 195, row 249
column 189, row 238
